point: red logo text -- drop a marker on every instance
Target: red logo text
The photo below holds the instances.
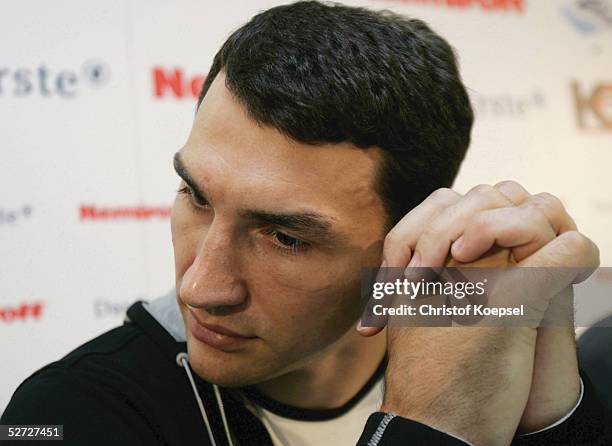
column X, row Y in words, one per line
column 175, row 83
column 22, row 312
column 484, row 5
column 93, row 212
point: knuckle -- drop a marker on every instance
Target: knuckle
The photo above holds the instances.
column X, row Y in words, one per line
column 489, row 196
column 391, row 238
column 482, row 189
column 509, row 184
column 554, row 209
column 444, row 194
column 550, row 200
column 578, row 243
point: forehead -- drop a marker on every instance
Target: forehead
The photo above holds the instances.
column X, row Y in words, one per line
column 242, row 163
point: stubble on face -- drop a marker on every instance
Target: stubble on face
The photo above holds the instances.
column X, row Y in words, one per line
column 230, row 270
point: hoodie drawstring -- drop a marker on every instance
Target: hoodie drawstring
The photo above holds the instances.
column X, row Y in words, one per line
column 182, row 361
column 222, row 410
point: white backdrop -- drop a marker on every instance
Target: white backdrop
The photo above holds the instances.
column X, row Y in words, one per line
column 96, row 96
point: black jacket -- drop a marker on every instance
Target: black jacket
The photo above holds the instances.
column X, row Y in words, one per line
column 127, row 387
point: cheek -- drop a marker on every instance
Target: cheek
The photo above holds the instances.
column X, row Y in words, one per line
column 304, row 316
column 185, row 236
column 319, row 292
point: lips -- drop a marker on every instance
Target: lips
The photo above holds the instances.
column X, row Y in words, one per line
column 216, row 336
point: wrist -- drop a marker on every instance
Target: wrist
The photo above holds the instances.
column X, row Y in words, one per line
column 525, row 432
column 471, row 383
column 541, row 415
column 556, row 384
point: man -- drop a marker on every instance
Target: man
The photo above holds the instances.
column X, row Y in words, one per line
column 325, row 141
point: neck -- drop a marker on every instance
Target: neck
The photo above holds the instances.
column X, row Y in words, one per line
column 333, row 377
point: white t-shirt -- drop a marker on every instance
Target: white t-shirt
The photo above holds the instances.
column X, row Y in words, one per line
column 341, row 430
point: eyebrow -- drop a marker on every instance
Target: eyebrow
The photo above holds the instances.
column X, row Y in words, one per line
column 182, row 172
column 311, row 225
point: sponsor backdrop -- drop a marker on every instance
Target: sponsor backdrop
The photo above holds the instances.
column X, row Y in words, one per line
column 96, row 96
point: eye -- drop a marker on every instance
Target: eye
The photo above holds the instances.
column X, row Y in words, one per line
column 285, row 243
column 196, row 203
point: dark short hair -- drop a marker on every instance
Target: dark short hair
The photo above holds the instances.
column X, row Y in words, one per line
column 328, row 73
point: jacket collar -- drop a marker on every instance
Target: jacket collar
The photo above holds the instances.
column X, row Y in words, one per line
column 165, row 310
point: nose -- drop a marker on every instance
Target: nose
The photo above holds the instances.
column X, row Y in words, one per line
column 212, row 281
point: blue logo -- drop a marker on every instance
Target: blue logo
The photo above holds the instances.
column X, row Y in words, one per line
column 11, row 216
column 588, row 17
column 47, row 82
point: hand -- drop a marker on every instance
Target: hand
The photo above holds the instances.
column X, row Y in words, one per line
column 539, row 232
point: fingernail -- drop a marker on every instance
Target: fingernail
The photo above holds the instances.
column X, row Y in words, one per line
column 415, row 260
column 359, row 327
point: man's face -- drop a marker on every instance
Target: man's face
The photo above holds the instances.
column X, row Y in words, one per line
column 269, row 242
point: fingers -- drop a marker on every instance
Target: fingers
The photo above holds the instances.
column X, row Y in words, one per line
column 554, row 211
column 434, row 244
column 537, row 228
column 516, row 193
column 568, row 250
column 550, row 205
column 524, row 227
column 541, row 280
column 403, row 237
column 540, row 204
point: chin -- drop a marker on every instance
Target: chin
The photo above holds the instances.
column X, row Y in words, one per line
column 229, row 369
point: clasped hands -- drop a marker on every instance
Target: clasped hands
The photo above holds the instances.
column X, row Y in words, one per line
column 484, row 383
